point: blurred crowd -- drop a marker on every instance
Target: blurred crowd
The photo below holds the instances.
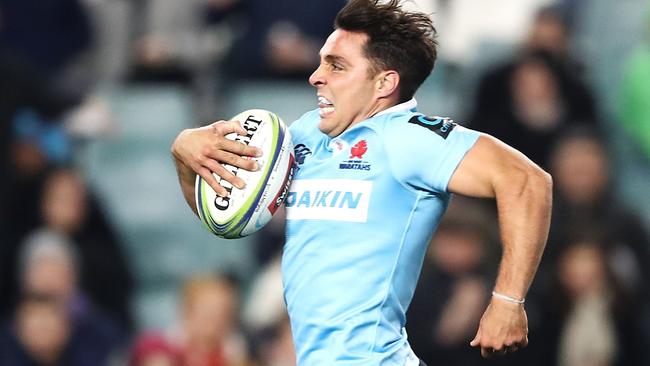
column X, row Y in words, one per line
column 66, row 279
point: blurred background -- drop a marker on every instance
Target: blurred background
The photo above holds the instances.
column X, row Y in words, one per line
column 102, row 263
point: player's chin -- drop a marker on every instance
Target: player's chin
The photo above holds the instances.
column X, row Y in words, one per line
column 326, row 125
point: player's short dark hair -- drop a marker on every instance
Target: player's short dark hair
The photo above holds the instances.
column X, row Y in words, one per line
column 397, row 40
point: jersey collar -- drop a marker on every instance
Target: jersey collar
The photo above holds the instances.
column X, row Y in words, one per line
column 410, row 105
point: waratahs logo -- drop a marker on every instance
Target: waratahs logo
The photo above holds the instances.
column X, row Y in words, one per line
column 359, row 149
column 355, row 161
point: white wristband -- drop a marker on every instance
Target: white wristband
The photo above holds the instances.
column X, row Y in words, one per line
column 507, row 298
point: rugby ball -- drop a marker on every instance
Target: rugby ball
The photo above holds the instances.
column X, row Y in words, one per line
column 245, row 211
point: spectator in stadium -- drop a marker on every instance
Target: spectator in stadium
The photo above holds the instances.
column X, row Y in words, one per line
column 176, row 41
column 550, row 32
column 40, row 334
column 282, row 38
column 277, row 348
column 27, row 166
column 154, row 350
column 478, row 34
column 528, row 101
column 48, row 264
column 589, row 317
column 51, row 37
column 68, row 208
column 182, row 44
column 24, row 156
column 54, row 323
column 584, row 199
column 209, row 327
column 533, row 105
column 265, row 317
column 32, row 141
column 453, row 288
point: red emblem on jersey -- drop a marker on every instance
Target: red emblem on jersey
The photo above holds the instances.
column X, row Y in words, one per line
column 359, row 149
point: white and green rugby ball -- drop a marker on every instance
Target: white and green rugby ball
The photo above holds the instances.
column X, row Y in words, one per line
column 245, row 211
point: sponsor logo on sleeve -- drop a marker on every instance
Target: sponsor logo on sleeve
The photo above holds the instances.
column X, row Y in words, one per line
column 440, row 125
column 329, row 199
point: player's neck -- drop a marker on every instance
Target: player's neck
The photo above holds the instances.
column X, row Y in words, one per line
column 379, row 105
column 383, row 104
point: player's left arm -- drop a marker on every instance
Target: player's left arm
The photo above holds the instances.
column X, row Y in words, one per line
column 523, row 193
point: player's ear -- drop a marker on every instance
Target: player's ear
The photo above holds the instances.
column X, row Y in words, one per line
column 387, row 83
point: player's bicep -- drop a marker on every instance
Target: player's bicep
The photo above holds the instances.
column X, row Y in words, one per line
column 489, row 164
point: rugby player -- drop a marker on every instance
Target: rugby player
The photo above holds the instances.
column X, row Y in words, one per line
column 374, row 178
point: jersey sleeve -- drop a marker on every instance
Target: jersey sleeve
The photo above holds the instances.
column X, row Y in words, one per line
column 424, row 152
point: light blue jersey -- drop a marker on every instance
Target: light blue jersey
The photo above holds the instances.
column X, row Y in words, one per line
column 360, row 213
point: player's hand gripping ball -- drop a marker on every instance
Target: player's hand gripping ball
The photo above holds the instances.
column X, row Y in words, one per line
column 245, row 211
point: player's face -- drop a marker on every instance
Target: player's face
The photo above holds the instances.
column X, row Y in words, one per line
column 344, row 82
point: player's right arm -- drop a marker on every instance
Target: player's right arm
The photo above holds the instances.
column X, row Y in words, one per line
column 459, row 160
column 204, row 150
column 523, row 194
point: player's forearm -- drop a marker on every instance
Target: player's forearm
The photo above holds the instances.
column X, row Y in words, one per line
column 186, row 178
column 524, row 205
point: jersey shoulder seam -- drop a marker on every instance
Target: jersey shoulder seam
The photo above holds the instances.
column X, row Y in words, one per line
column 388, row 155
